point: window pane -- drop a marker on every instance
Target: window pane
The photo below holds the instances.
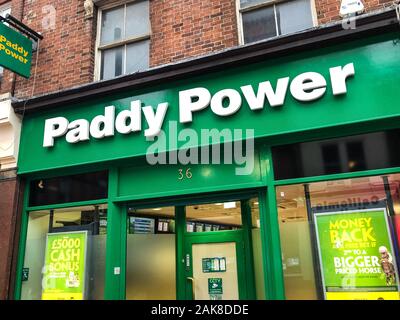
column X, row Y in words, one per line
column 74, row 188
column 214, row 217
column 294, row 16
column 337, row 231
column 257, row 248
column 361, row 152
column 112, row 24
column 112, row 63
column 331, row 158
column 56, row 269
column 259, row 24
column 295, row 233
column 137, row 19
column 137, row 56
column 150, row 265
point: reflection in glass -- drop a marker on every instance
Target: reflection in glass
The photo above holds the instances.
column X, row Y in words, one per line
column 137, row 56
column 137, row 19
column 112, row 27
column 294, row 16
column 349, row 154
column 73, row 188
column 259, row 24
column 112, row 63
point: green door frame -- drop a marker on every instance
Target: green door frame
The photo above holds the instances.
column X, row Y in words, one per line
column 244, row 252
column 218, row 237
column 181, row 238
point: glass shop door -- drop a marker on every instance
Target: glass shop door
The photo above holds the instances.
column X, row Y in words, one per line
column 215, row 267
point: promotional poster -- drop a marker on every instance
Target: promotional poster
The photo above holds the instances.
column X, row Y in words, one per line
column 356, row 255
column 65, row 264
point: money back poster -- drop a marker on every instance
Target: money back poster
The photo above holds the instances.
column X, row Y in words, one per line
column 356, row 255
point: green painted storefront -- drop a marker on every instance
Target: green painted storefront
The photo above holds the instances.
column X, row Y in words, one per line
column 371, row 104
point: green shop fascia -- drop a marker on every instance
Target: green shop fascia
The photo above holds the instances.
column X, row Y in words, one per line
column 268, row 171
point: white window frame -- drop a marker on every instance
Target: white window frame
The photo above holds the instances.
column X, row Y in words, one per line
column 266, row 3
column 119, row 43
column 4, row 7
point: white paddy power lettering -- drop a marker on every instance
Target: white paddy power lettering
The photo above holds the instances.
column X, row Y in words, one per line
column 308, row 86
column 13, row 49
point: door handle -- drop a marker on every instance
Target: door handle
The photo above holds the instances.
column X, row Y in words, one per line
column 191, row 279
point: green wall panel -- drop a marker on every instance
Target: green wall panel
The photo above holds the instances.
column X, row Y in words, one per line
column 371, row 94
column 141, row 181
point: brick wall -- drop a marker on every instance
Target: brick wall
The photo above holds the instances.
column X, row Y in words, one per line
column 66, row 55
column 180, row 29
column 328, row 10
column 7, row 206
column 187, row 28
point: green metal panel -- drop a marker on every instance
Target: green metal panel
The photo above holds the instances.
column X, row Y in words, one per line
column 273, row 271
column 116, row 244
column 248, row 249
column 15, row 51
column 144, row 181
column 372, row 94
column 67, row 205
column 180, row 252
column 338, row 176
column 22, row 243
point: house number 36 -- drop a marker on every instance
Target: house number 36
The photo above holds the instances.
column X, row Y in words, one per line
column 184, row 173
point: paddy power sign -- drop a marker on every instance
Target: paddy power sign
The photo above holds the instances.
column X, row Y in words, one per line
column 65, row 264
column 15, row 51
column 356, row 255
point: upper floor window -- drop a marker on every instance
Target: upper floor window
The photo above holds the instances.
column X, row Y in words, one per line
column 124, row 39
column 263, row 19
column 5, row 9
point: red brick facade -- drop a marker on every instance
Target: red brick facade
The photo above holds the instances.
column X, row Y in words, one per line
column 180, row 29
column 66, row 55
column 8, row 199
column 328, row 10
column 187, row 28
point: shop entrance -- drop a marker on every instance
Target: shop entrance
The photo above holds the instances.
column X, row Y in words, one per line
column 205, row 249
column 215, row 267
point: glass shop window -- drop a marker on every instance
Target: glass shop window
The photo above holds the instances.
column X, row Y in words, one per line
column 80, row 187
column 65, row 254
column 150, row 266
column 340, row 239
column 349, row 154
column 124, row 40
column 257, row 248
column 221, row 216
column 262, row 19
